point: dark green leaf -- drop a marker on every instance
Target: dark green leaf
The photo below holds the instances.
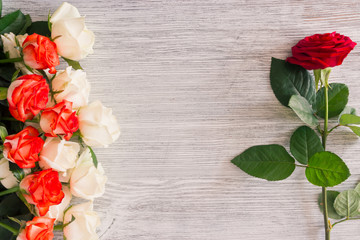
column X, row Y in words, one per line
column 331, row 195
column 11, row 205
column 338, row 98
column 26, row 24
column 346, row 119
column 93, row 156
column 40, row 27
column 304, row 143
column 289, row 79
column 3, row 133
column 0, row 8
column 4, row 233
column 303, row 110
column 74, row 64
column 17, row 171
column 347, row 203
column 13, row 22
column 326, row 169
column 270, row 162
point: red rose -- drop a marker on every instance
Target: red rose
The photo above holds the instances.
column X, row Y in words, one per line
column 43, row 189
column 40, row 53
column 24, row 147
column 59, row 120
column 40, row 228
column 321, row 51
column 27, row 96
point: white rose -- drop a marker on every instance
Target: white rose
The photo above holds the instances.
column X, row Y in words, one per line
column 98, row 126
column 7, row 178
column 73, row 39
column 12, row 49
column 85, row 223
column 86, row 180
column 57, row 211
column 73, row 85
column 59, row 155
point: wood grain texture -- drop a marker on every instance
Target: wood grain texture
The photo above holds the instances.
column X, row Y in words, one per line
column 189, row 82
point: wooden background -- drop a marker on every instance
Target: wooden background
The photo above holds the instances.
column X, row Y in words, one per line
column 189, row 83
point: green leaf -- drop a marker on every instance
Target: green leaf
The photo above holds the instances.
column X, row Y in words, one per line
column 347, row 203
column 357, row 188
column 326, row 169
column 39, row 27
column 17, row 171
column 0, row 8
column 338, row 98
column 3, row 93
column 289, row 79
column 346, row 119
column 303, row 109
column 27, row 23
column 3, row 133
column 74, row 64
column 270, row 162
column 355, row 129
column 93, row 156
column 11, row 205
column 331, row 195
column 304, row 143
column 13, row 22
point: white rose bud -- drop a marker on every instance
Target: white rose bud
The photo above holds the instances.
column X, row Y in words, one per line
column 12, row 49
column 85, row 223
column 73, row 86
column 72, row 38
column 57, row 211
column 98, row 126
column 7, row 178
column 59, row 154
column 86, row 180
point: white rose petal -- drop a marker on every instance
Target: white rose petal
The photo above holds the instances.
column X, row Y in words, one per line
column 86, row 180
column 85, row 223
column 73, row 39
column 7, row 178
column 73, row 85
column 57, row 211
column 98, row 126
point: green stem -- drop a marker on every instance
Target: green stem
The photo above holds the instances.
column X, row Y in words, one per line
column 324, row 136
column 10, row 190
column 9, row 119
column 10, row 60
column 344, row 220
column 7, row 227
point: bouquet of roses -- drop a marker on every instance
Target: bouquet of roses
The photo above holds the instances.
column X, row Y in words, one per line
column 48, row 129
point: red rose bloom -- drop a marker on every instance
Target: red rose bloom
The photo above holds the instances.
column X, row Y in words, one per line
column 43, row 189
column 27, row 96
column 24, row 147
column 321, row 51
column 40, row 53
column 40, row 228
column 59, row 120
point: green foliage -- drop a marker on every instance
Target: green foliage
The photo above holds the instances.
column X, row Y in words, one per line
column 17, row 171
column 13, row 22
column 270, row 162
column 347, row 203
column 304, row 143
column 326, row 169
column 288, row 79
column 338, row 98
column 74, row 64
column 347, row 119
column 303, row 109
column 3, row 133
column 39, row 27
column 331, row 196
column 93, row 156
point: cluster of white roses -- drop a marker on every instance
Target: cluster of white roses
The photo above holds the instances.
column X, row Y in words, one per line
column 98, row 127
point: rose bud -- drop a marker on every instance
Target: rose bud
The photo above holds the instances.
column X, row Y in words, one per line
column 321, row 51
column 27, row 96
column 24, row 147
column 59, row 120
column 98, row 126
column 85, row 223
column 74, row 41
column 40, row 53
column 43, row 189
column 72, row 86
column 87, row 181
column 40, row 228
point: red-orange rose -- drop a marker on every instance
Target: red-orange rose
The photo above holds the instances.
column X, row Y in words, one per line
column 40, row 53
column 59, row 120
column 27, row 96
column 24, row 147
column 40, row 228
column 321, row 51
column 43, row 189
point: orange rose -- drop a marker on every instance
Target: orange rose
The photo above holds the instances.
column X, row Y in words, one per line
column 27, row 96
column 40, row 228
column 59, row 120
column 24, row 147
column 43, row 189
column 40, row 53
